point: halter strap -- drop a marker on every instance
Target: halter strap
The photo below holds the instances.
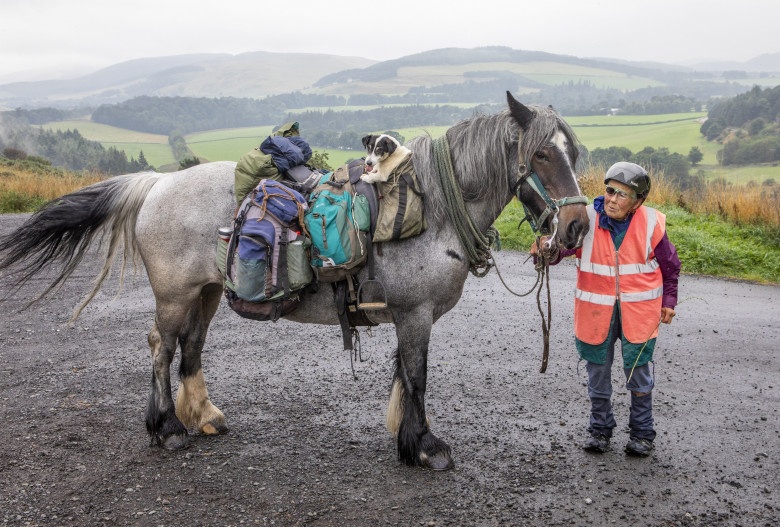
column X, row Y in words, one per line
column 553, row 206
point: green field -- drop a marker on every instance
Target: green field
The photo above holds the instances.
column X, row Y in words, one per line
column 545, row 72
column 355, row 108
column 677, row 136
column 155, row 146
column 228, row 144
column 599, row 81
column 677, row 132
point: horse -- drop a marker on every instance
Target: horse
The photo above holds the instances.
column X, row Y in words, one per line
column 170, row 221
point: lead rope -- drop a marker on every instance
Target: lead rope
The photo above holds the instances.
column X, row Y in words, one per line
column 542, row 266
column 477, row 246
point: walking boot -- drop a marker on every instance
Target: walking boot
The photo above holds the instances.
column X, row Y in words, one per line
column 598, row 443
column 639, row 447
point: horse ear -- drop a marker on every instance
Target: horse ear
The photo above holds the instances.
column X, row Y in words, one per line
column 522, row 114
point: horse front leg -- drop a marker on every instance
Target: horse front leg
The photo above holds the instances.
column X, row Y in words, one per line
column 193, row 406
column 406, row 417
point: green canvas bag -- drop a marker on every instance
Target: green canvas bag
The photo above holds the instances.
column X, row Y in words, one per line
column 401, row 205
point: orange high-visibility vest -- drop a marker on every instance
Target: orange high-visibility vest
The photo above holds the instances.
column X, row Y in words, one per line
column 630, row 275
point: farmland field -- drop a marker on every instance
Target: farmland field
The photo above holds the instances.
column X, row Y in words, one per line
column 678, row 132
column 228, row 144
column 544, row 72
column 155, row 146
column 677, row 136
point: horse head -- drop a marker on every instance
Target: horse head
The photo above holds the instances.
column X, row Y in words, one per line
column 546, row 182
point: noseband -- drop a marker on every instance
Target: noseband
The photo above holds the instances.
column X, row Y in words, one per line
column 553, row 206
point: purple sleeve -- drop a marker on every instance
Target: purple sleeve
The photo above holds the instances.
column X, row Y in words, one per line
column 669, row 263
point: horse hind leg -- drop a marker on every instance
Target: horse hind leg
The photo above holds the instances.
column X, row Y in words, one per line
column 193, row 406
column 162, row 424
column 406, row 409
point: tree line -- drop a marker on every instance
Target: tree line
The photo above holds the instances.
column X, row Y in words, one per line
column 676, row 167
column 162, row 115
column 67, row 149
column 747, row 125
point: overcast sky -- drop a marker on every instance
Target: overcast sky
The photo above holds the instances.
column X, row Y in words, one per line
column 46, row 38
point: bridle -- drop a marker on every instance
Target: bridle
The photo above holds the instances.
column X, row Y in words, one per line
column 537, row 222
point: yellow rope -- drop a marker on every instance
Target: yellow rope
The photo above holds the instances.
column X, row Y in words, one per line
column 651, row 333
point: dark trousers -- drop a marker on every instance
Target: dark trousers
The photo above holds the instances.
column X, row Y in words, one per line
column 602, row 420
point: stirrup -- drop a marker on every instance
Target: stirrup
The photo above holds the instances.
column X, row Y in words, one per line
column 371, row 306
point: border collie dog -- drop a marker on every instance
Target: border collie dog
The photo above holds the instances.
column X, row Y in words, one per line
column 384, row 154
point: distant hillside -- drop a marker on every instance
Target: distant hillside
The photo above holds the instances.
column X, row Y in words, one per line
column 491, row 54
column 254, row 75
column 768, row 62
column 448, row 75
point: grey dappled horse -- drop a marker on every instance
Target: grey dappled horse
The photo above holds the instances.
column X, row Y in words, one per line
column 171, row 221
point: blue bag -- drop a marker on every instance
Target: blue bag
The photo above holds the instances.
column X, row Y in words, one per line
column 261, row 261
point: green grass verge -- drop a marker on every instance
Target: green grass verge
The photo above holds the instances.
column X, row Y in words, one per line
column 15, row 202
column 705, row 244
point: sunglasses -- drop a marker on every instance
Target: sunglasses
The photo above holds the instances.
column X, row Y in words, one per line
column 621, row 194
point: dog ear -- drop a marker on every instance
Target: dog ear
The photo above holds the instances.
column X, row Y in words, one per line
column 389, row 145
column 367, row 140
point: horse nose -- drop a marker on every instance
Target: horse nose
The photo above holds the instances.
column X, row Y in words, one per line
column 574, row 234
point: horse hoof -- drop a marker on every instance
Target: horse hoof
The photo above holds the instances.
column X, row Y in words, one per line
column 215, row 428
column 175, row 442
column 440, row 461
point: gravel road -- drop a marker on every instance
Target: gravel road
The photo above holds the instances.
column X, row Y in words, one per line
column 308, row 445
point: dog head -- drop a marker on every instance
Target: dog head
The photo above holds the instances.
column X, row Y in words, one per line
column 379, row 148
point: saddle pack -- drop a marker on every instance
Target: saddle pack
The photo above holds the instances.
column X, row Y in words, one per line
column 265, row 260
column 338, row 220
column 315, row 227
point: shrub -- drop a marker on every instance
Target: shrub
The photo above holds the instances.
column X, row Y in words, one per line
column 14, row 153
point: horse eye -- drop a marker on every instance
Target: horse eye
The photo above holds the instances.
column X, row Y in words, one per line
column 540, row 155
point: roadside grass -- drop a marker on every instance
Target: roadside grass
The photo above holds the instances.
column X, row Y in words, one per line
column 25, row 186
column 710, row 240
column 725, row 232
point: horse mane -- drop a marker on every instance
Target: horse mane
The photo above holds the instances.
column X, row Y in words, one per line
column 484, row 151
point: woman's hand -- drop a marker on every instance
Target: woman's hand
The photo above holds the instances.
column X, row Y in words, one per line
column 667, row 314
column 534, row 249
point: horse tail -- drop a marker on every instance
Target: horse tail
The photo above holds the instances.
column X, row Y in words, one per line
column 61, row 232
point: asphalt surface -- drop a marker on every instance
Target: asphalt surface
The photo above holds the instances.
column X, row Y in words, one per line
column 308, row 444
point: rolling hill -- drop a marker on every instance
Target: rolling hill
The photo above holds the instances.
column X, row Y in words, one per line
column 253, row 75
column 259, row 74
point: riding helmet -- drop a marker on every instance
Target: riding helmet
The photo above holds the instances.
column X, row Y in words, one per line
column 632, row 175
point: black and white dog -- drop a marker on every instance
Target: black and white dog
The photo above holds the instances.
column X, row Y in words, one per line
column 384, row 154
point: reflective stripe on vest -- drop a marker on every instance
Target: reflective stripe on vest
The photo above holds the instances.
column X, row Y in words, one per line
column 633, row 269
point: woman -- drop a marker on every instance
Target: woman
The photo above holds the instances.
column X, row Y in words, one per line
column 627, row 271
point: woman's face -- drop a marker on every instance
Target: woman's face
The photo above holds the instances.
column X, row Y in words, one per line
column 622, row 202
